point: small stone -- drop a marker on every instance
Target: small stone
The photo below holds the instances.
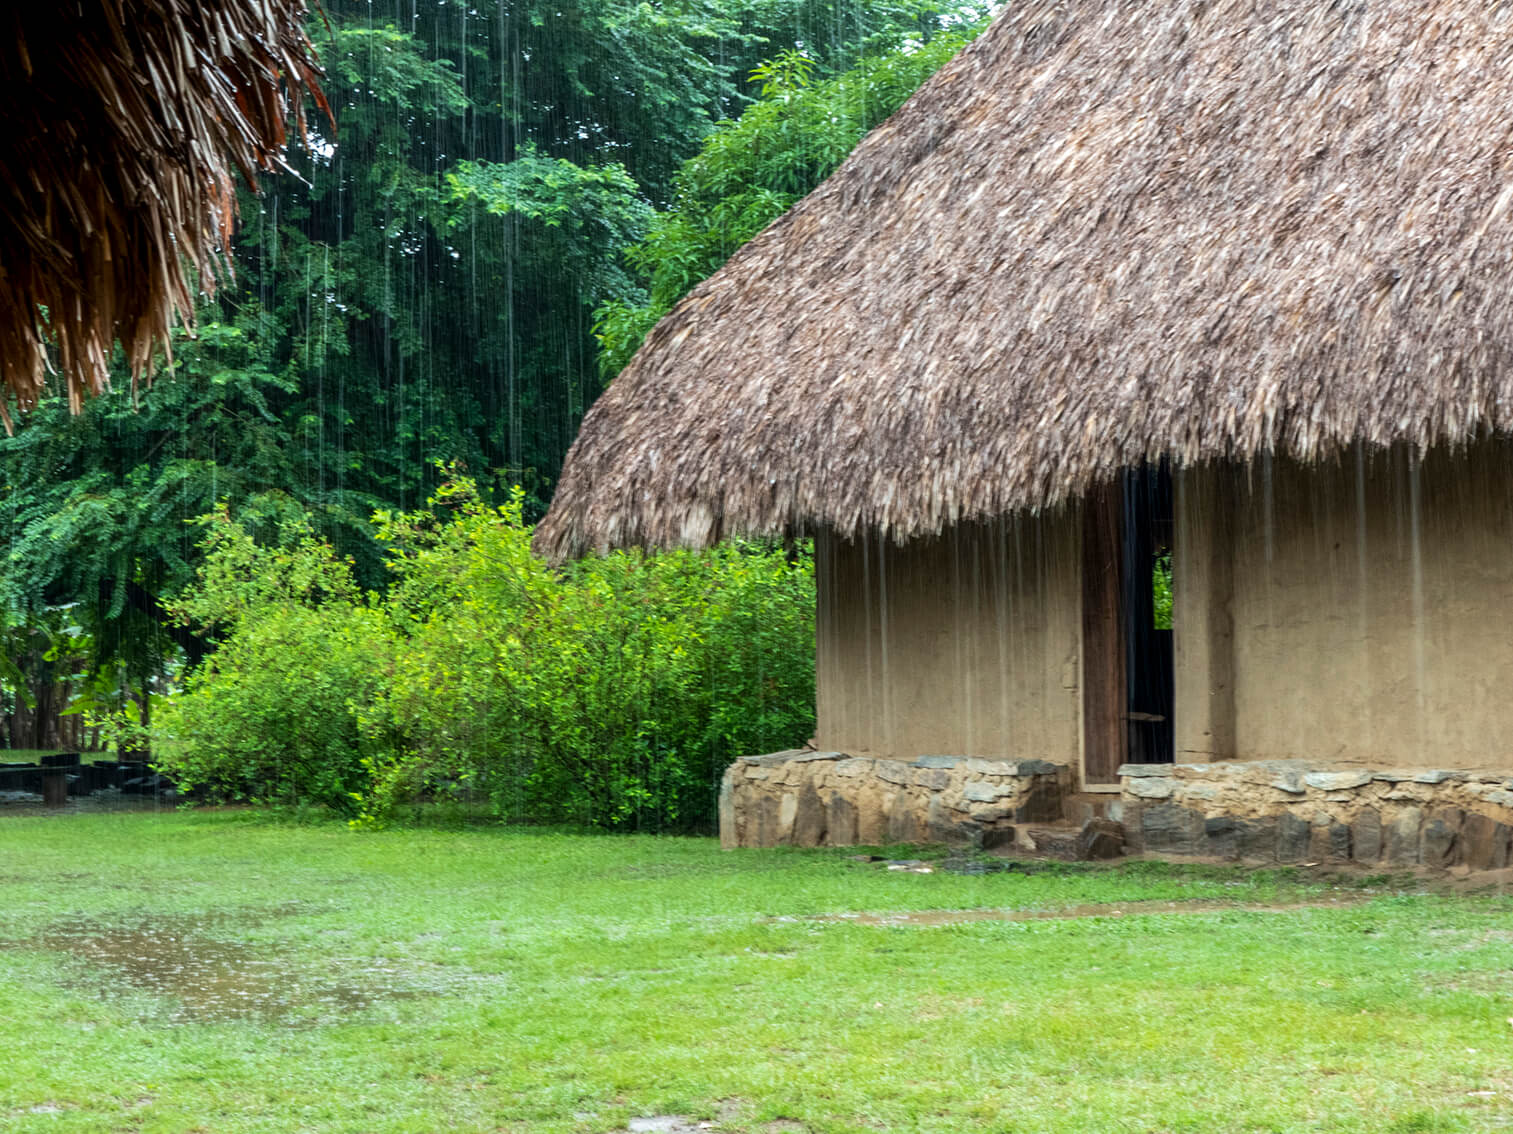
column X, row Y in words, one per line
column 904, row 821
column 1256, row 839
column 855, row 766
column 1222, row 833
column 840, row 821
column 1199, row 791
column 811, row 757
column 1436, row 776
column 1055, row 842
column 1500, row 798
column 1439, row 837
column 1402, row 837
column 1483, row 843
column 1366, row 836
column 757, row 773
column 809, row 819
column 1173, row 829
column 1100, row 839
column 865, row 857
column 1329, row 842
column 1135, row 771
column 1037, row 768
column 1290, row 782
column 937, row 761
column 1151, row 788
column 1294, row 835
column 944, row 826
column 992, row 767
column 933, row 778
column 977, row 791
column 990, row 813
column 1336, row 781
column 778, row 759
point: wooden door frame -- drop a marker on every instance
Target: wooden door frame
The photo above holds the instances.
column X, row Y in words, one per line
column 1105, row 699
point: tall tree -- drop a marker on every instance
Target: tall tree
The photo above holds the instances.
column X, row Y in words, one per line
column 422, row 294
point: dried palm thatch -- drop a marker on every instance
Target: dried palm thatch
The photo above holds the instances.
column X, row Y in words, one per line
column 124, row 117
column 1108, row 230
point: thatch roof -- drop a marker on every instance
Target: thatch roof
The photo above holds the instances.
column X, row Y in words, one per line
column 123, row 118
column 1106, row 231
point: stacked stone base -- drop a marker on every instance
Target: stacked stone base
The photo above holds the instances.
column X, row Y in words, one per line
column 1286, row 811
column 1294, row 812
column 809, row 799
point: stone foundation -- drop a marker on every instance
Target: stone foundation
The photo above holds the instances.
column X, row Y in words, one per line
column 1293, row 811
column 1288, row 811
column 810, row 799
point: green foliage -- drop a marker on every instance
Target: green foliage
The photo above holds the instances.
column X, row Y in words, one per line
column 424, row 291
column 613, row 692
column 578, row 220
column 272, row 713
column 1161, row 586
column 751, row 170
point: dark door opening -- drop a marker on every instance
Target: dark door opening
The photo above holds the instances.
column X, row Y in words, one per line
column 1149, row 668
column 1128, row 666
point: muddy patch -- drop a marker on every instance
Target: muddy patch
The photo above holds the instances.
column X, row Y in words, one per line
column 199, row 972
column 930, row 918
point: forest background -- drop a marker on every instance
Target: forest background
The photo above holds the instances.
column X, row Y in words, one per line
column 512, row 195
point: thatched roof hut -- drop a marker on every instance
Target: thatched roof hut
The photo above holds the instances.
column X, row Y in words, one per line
column 125, row 118
column 1105, row 232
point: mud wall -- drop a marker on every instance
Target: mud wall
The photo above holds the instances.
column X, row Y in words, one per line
column 1354, row 612
column 966, row 644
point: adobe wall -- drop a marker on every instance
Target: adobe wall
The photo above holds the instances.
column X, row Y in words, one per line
column 967, row 644
column 1357, row 613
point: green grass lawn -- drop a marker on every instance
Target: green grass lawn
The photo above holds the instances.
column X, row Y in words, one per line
column 502, row 980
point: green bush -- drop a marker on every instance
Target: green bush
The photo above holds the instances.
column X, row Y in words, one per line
column 271, row 715
column 612, row 692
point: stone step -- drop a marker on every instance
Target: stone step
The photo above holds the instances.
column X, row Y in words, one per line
column 1097, row 838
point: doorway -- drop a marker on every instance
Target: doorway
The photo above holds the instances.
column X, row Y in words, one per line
column 1128, row 677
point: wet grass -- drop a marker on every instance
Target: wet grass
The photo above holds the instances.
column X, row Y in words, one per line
column 496, row 980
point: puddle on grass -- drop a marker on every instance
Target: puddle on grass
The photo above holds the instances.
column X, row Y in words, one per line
column 204, row 978
column 928, row 918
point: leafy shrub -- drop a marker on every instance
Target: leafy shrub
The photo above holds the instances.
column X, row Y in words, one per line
column 612, row 692
column 271, row 715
